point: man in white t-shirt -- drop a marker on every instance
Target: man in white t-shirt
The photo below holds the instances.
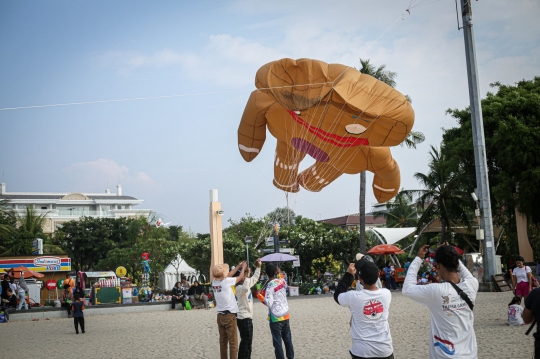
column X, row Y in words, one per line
column 452, row 333
column 522, row 278
column 369, row 307
column 245, row 312
column 226, row 307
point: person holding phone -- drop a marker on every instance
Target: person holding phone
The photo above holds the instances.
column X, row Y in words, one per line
column 450, row 303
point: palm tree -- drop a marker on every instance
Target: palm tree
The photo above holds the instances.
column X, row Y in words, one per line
column 401, row 212
column 443, row 195
column 414, row 138
column 32, row 222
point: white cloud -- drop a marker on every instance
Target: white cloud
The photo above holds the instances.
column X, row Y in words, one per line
column 92, row 176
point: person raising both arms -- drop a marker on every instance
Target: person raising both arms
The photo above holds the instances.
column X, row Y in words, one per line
column 451, row 304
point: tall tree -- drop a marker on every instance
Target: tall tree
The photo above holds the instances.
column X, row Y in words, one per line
column 443, row 195
column 511, row 116
column 402, row 212
column 414, row 138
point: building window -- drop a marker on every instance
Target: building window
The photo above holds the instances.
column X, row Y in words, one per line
column 21, row 206
column 44, row 208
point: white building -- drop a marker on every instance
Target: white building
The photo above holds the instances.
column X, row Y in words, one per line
column 64, row 207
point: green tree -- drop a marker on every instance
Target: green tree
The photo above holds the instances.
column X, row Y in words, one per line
column 511, row 117
column 401, row 212
column 443, row 195
column 282, row 215
column 8, row 225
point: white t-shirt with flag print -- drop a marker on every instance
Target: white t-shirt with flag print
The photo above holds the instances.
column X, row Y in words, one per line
column 452, row 333
column 370, row 332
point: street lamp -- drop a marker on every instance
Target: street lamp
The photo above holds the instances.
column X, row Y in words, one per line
column 248, row 239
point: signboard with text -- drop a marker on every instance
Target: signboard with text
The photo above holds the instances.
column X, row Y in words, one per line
column 38, row 264
column 296, row 263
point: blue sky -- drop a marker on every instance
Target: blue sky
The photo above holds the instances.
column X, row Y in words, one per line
column 172, row 151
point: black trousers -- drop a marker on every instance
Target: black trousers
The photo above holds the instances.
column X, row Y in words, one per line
column 355, row 357
column 245, row 327
column 68, row 307
column 181, row 300
column 77, row 321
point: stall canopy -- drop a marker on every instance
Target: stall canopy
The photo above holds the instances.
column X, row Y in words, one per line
column 174, row 271
column 394, row 235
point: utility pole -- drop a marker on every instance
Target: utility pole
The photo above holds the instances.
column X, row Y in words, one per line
column 362, row 212
column 479, row 143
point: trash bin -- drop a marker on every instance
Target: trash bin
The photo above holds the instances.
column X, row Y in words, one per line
column 293, row 291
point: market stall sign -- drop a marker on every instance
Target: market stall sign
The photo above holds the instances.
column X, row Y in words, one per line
column 51, row 284
column 38, row 264
column 100, row 274
column 121, row 271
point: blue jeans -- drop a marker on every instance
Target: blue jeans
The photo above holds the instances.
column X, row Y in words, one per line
column 390, row 281
column 22, row 301
column 282, row 331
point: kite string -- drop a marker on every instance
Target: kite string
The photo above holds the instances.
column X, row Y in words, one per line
column 151, row 97
column 189, row 94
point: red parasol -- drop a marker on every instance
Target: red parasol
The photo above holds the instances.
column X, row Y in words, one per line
column 27, row 273
column 385, row 249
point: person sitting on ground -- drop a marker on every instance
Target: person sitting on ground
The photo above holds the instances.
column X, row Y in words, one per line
column 185, row 287
column 66, row 298
column 515, row 311
column 178, row 296
column 9, row 303
column 369, row 307
column 450, row 303
column 196, row 292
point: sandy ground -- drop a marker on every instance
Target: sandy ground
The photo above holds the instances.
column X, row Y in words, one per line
column 319, row 330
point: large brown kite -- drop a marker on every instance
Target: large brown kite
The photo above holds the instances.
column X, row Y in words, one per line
column 343, row 119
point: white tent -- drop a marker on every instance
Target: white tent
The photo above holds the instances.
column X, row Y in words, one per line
column 393, row 235
column 174, row 271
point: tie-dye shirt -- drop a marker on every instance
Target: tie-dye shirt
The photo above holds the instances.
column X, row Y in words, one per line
column 275, row 299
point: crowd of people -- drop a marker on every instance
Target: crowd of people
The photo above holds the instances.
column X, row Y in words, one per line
column 11, row 292
column 234, row 307
column 189, row 295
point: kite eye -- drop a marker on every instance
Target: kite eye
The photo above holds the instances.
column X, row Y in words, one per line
column 355, row 129
column 297, row 112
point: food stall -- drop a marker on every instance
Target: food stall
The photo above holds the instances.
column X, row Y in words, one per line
column 52, row 267
column 101, row 287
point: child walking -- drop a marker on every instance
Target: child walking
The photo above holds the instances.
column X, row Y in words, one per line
column 78, row 316
column 514, row 312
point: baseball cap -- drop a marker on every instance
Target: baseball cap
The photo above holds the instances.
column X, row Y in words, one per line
column 368, row 271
